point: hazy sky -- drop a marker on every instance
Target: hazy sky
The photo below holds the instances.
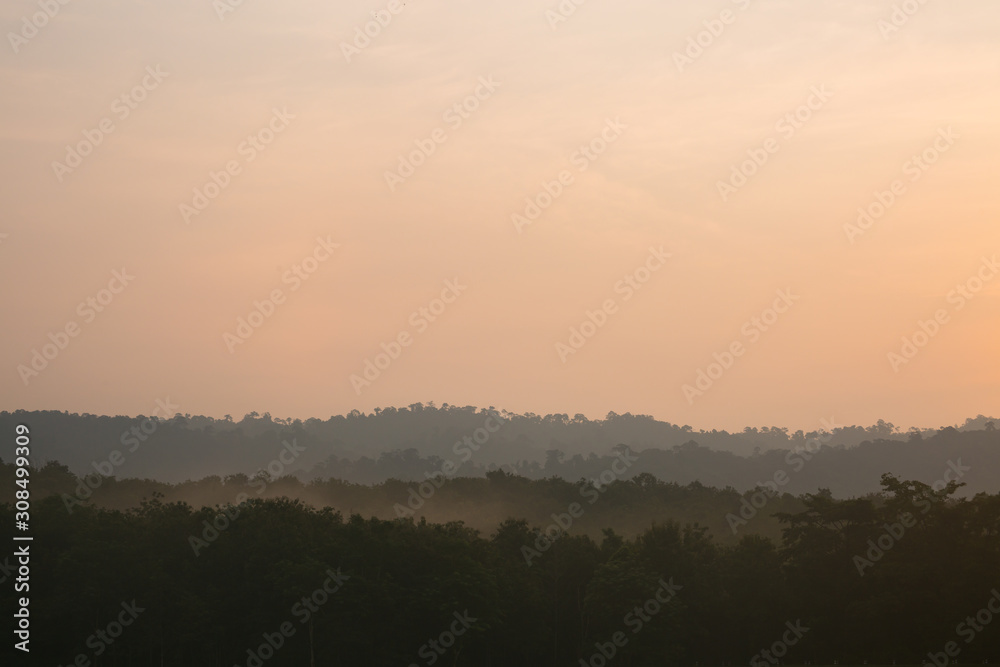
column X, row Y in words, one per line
column 184, row 84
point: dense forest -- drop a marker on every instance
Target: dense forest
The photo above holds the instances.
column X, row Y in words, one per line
column 412, row 443
column 811, row 552
column 905, row 576
column 630, row 504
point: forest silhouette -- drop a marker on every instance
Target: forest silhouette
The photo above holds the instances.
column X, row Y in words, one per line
column 576, row 559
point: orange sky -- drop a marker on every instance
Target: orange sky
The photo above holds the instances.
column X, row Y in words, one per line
column 301, row 132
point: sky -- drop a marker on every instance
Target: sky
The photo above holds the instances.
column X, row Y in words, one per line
column 645, row 207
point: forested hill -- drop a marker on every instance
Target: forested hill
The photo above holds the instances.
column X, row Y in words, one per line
column 411, row 443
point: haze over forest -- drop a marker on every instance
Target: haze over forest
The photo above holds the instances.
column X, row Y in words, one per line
column 414, row 442
column 533, row 333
